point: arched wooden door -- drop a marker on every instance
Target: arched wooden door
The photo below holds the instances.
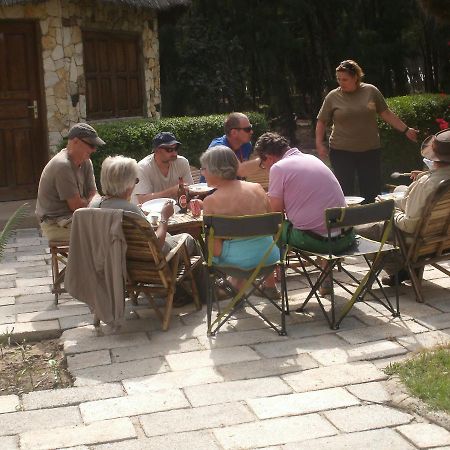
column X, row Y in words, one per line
column 23, row 143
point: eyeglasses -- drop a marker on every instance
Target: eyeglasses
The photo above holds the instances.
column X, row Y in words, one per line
column 170, row 149
column 246, row 129
column 93, row 146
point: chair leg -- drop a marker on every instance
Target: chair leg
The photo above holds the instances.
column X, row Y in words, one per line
column 58, row 256
column 416, row 283
column 168, row 309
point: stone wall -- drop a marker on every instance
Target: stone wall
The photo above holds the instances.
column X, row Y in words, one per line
column 61, row 22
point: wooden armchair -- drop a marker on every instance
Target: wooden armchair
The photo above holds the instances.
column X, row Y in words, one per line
column 151, row 272
column 430, row 244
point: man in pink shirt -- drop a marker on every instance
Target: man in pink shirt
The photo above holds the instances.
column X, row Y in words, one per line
column 302, row 186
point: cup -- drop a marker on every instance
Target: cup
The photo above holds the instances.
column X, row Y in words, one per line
column 196, row 208
column 154, row 220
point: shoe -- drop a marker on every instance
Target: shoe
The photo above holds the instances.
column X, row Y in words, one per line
column 271, row 292
column 402, row 275
column 326, row 288
column 222, row 294
column 181, row 300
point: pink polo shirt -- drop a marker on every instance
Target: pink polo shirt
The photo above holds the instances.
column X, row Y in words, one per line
column 307, row 187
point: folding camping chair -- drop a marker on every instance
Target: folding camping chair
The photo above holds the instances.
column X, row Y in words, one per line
column 344, row 218
column 241, row 227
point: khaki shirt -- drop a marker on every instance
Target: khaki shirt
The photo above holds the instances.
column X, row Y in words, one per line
column 409, row 209
column 60, row 181
column 354, row 118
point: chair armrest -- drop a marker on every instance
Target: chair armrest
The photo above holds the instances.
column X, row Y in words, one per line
column 176, row 249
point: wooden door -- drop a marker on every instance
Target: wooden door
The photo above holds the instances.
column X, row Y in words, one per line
column 23, row 149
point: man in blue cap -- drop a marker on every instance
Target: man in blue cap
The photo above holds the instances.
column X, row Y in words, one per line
column 160, row 171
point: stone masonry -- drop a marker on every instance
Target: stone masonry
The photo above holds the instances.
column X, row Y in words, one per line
column 61, row 23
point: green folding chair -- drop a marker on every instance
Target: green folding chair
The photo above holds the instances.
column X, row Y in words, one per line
column 239, row 227
column 373, row 252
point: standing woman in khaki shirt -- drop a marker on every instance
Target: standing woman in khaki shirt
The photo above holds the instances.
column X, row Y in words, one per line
column 352, row 109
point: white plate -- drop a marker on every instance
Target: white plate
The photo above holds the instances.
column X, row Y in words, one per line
column 155, row 206
column 352, row 200
column 391, row 196
column 200, row 188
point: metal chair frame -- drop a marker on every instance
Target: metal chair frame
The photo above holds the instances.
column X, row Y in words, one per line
column 238, row 227
column 342, row 218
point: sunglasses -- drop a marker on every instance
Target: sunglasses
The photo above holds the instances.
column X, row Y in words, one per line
column 246, row 129
column 93, row 146
column 170, row 149
column 346, row 65
column 137, row 181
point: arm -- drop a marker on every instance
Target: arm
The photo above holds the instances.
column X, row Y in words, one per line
column 166, row 214
column 209, row 207
column 276, row 204
column 395, row 122
column 169, row 192
column 321, row 148
column 77, row 202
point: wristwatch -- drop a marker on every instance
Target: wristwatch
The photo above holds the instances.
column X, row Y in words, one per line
column 405, row 130
column 163, row 221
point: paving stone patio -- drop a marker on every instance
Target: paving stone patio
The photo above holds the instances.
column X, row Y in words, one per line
column 246, row 388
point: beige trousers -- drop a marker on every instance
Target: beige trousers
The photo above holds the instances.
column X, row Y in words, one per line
column 53, row 232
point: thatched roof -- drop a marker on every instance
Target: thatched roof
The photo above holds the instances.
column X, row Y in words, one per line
column 147, row 4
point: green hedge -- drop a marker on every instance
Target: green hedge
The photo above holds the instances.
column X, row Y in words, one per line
column 133, row 138
column 417, row 111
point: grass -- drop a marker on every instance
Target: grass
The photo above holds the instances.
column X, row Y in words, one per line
column 427, row 376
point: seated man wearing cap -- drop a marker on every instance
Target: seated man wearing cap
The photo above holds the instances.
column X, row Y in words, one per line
column 160, row 171
column 67, row 182
column 409, row 209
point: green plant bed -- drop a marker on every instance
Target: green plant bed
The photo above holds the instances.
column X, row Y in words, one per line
column 427, row 376
column 133, row 138
column 417, row 111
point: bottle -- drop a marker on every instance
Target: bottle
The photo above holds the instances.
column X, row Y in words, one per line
column 182, row 196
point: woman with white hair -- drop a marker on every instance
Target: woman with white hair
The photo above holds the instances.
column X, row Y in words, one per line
column 233, row 197
column 118, row 178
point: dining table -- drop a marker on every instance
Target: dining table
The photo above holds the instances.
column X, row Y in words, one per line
column 186, row 223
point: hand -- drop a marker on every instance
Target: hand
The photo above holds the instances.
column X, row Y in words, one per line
column 322, row 151
column 412, row 134
column 140, row 207
column 167, row 210
column 415, row 174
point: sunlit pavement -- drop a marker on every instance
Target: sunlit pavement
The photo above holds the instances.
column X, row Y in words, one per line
column 245, row 388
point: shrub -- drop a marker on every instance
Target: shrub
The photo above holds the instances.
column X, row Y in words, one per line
column 133, row 138
column 419, row 112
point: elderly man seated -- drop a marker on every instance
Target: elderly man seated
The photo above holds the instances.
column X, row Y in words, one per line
column 67, row 182
column 409, row 209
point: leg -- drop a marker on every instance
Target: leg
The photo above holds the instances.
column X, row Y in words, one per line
column 368, row 167
column 344, row 168
column 53, row 232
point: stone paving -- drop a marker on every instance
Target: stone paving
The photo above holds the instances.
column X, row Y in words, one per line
column 245, row 388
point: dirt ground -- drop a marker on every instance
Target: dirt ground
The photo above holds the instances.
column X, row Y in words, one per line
column 32, row 366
